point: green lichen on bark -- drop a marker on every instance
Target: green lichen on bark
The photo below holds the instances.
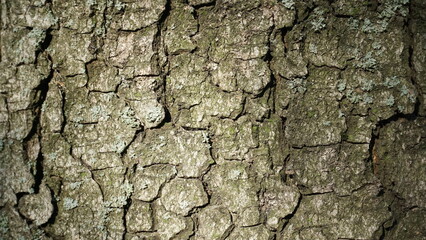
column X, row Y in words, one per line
column 203, row 119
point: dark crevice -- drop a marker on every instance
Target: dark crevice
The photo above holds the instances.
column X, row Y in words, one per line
column 284, row 32
column 85, row 123
column 272, row 97
column 39, row 173
column 385, row 229
column 187, row 128
column 372, row 158
column 313, row 193
column 137, row 29
column 328, row 66
column 55, row 211
column 158, row 164
column 410, row 54
column 343, row 16
column 397, row 207
column 410, row 117
column 208, row 4
column 27, row 220
column 137, row 133
column 157, row 43
column 104, row 168
column 268, row 56
column 269, row 86
column 287, row 218
column 241, row 113
column 125, row 211
column 19, row 195
column 411, row 60
column 64, row 117
column 35, row 131
column 146, row 75
column 87, row 72
column 42, row 89
column 44, row 45
column 286, row 174
column 104, row 24
column 167, row 118
column 195, row 16
column 106, row 92
column 316, row 146
column 194, row 229
column 92, row 176
column 228, row 231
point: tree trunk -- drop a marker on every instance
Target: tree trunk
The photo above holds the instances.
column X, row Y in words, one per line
column 204, row 119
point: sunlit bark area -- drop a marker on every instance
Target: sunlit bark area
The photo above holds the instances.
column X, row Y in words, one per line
column 213, row 119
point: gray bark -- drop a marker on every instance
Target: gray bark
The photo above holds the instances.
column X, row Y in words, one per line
column 204, row 119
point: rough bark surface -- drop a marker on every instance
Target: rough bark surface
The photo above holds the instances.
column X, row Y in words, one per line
column 204, row 119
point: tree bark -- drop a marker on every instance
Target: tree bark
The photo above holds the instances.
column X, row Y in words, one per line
column 204, row 119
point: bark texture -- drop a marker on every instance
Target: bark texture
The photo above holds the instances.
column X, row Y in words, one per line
column 204, row 119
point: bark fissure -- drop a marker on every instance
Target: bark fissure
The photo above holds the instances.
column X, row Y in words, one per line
column 206, row 119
